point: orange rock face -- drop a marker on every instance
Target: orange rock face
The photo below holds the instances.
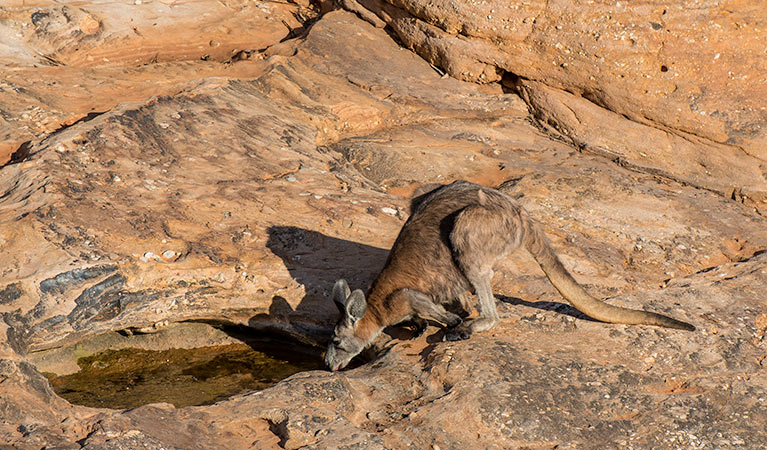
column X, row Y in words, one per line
column 675, row 76
column 62, row 62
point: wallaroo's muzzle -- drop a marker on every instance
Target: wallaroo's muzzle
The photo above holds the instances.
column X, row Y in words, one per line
column 334, row 361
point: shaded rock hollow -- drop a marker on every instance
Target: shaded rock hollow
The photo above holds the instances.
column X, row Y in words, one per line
column 240, row 191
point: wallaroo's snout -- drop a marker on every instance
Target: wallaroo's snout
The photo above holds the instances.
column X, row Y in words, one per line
column 331, row 360
column 348, row 338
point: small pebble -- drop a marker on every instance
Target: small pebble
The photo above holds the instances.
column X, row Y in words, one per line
column 291, row 178
column 89, row 25
column 168, row 254
column 390, row 211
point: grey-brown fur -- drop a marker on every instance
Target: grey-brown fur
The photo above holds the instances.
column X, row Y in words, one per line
column 449, row 246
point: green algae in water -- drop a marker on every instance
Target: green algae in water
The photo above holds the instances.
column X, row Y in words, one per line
column 131, row 377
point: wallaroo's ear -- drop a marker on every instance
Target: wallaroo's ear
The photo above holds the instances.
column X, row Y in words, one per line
column 356, row 305
column 340, row 294
column 481, row 197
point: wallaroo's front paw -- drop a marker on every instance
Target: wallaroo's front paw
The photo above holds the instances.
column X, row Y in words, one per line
column 419, row 328
column 457, row 334
column 454, row 322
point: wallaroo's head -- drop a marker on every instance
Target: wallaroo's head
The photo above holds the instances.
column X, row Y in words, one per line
column 345, row 345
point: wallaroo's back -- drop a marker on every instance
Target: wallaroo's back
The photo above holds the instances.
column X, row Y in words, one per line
column 448, row 247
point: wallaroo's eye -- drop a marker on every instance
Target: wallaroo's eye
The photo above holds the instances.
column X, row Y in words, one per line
column 336, row 342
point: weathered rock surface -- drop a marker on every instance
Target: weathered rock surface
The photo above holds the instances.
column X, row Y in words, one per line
column 639, row 81
column 241, row 196
column 63, row 62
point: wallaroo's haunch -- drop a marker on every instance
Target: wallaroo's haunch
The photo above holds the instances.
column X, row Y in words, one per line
column 448, row 247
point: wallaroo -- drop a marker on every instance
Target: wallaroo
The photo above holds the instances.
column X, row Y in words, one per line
column 447, row 248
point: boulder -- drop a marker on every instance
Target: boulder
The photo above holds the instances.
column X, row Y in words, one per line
column 670, row 79
column 64, row 63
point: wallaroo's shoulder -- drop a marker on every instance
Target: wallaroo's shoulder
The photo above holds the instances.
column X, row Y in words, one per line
column 460, row 191
column 463, row 185
column 429, row 191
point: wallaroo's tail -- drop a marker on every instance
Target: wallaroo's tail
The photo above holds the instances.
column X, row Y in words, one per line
column 538, row 245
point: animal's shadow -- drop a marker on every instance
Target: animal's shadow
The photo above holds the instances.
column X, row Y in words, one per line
column 557, row 307
column 315, row 261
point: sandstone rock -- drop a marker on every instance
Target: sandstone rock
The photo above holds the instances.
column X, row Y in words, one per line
column 45, row 48
column 152, row 31
column 684, row 78
column 88, row 25
column 214, row 171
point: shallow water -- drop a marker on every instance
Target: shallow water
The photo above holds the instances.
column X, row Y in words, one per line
column 131, row 377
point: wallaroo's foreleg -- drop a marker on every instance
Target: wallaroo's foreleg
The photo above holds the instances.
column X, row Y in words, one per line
column 423, row 306
column 464, row 302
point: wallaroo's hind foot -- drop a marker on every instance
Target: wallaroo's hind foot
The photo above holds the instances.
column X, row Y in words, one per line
column 458, row 333
column 466, row 329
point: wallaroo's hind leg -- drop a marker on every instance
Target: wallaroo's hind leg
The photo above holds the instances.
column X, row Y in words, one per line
column 488, row 315
column 424, row 307
column 481, row 234
column 475, row 257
